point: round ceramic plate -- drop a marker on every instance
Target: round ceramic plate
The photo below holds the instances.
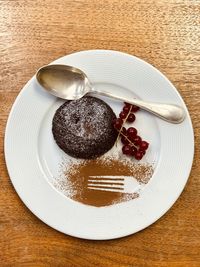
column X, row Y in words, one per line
column 32, row 157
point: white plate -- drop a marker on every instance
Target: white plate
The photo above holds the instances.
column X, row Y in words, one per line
column 32, row 157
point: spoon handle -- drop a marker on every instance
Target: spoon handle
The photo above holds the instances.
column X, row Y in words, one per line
column 168, row 112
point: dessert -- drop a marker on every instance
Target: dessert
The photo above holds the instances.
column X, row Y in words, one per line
column 83, row 128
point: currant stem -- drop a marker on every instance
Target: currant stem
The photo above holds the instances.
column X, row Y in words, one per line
column 132, row 144
column 124, row 121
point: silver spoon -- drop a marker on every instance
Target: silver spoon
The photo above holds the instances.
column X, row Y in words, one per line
column 71, row 83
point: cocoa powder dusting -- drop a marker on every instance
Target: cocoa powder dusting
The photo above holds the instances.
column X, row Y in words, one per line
column 75, row 180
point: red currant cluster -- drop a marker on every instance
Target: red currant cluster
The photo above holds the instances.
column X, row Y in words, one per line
column 133, row 145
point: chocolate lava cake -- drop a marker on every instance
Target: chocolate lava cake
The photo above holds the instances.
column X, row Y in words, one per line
column 83, row 128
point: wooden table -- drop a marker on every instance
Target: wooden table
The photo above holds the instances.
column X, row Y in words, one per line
column 166, row 33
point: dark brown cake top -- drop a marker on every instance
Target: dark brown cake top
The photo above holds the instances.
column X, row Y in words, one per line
column 84, row 126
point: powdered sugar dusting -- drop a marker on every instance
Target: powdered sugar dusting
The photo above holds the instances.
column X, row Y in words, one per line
column 84, row 120
column 83, row 128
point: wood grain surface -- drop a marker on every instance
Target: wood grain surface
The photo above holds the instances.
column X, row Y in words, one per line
column 166, row 33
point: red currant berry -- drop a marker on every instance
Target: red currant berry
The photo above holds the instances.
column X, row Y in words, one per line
column 126, row 109
column 131, row 117
column 138, row 155
column 142, row 151
column 144, row 145
column 134, row 108
column 131, row 132
column 127, row 104
column 118, row 123
column 133, row 150
column 137, row 140
column 123, row 131
column 126, row 149
column 124, row 140
column 122, row 115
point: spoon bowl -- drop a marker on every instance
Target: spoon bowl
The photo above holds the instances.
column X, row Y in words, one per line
column 63, row 81
column 71, row 83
